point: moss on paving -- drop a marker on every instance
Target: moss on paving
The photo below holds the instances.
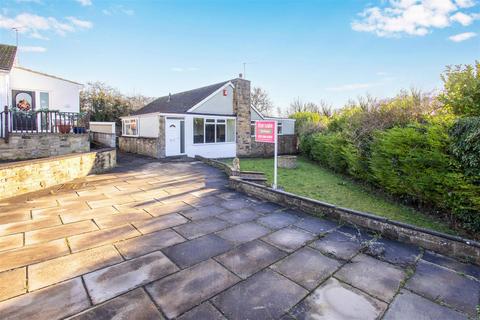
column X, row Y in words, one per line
column 313, row 181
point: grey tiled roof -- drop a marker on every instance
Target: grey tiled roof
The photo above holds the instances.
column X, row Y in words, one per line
column 180, row 102
column 7, row 56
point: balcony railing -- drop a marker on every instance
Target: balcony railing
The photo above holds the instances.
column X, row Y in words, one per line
column 39, row 122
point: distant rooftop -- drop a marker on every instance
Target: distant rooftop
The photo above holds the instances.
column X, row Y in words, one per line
column 7, row 57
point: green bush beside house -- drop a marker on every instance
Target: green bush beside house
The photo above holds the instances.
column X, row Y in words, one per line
column 421, row 148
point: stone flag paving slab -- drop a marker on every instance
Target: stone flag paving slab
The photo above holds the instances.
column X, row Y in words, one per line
column 289, row 239
column 239, row 216
column 201, row 227
column 446, row 286
column 266, row 295
column 379, row 279
column 307, row 267
column 194, row 251
column 141, row 245
column 205, row 311
column 395, row 252
column 170, row 240
column 132, row 305
column 408, row 305
column 338, row 245
column 185, row 289
column 55, row 302
column 13, row 283
column 111, row 281
column 249, row 258
column 244, row 232
column 53, row 271
column 334, row 300
column 278, row 220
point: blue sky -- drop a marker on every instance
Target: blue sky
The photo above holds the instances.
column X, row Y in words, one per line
column 317, row 50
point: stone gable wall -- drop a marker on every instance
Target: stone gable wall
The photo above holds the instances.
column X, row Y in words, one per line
column 33, row 146
column 241, row 107
column 151, row 147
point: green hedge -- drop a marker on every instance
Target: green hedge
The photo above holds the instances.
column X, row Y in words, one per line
column 465, row 135
column 413, row 162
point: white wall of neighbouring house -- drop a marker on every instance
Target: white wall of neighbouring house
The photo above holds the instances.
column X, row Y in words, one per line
column 64, row 95
column 207, row 150
column 102, row 127
column 218, row 103
column 288, row 126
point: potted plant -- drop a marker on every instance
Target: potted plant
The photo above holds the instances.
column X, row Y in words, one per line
column 64, row 128
column 80, row 127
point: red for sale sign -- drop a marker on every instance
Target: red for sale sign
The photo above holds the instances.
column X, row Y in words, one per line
column 265, row 131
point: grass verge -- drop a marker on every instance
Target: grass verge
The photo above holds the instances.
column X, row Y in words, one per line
column 313, row 181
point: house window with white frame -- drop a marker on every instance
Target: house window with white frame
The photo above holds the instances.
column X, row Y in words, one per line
column 279, row 128
column 130, row 127
column 206, row 130
column 252, row 128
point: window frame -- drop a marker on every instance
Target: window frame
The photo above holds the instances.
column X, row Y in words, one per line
column 124, row 127
column 279, row 128
column 215, row 121
column 40, row 99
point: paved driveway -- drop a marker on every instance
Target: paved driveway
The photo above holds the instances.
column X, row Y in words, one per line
column 164, row 240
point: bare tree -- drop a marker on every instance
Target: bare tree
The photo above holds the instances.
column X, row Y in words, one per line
column 297, row 105
column 261, row 101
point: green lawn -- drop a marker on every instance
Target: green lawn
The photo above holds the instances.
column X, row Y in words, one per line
column 313, row 181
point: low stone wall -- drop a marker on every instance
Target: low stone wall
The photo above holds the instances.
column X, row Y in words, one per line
column 33, row 146
column 17, row 178
column 287, row 144
column 442, row 243
column 139, row 145
column 219, row 165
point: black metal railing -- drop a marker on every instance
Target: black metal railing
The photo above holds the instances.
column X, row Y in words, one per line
column 42, row 121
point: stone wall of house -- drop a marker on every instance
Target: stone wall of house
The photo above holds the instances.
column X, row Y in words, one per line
column 20, row 177
column 287, row 144
column 33, row 146
column 139, row 145
column 151, row 147
column 241, row 107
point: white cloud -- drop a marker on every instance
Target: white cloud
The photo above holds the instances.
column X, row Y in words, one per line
column 36, row 26
column 412, row 17
column 80, row 23
column 31, row 49
column 353, row 86
column 462, row 18
column 465, row 3
column 462, row 36
column 118, row 9
column 85, row 2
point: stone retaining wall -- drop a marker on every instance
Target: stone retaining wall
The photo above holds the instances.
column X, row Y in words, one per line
column 144, row 146
column 33, row 146
column 17, row 178
column 442, row 243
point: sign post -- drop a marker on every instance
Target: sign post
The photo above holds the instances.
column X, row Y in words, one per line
column 266, row 131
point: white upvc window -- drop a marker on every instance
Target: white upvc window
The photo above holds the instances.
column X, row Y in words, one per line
column 130, row 127
column 44, row 100
column 252, row 128
column 213, row 130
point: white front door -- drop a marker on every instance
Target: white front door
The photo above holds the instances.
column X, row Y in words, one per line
column 174, row 129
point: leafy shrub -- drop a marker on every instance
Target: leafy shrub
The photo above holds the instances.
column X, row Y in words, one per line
column 308, row 122
column 327, row 149
column 414, row 162
column 462, row 89
column 465, row 136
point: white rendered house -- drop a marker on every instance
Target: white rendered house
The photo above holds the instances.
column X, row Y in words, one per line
column 214, row 121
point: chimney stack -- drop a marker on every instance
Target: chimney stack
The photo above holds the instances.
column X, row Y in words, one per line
column 240, row 76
